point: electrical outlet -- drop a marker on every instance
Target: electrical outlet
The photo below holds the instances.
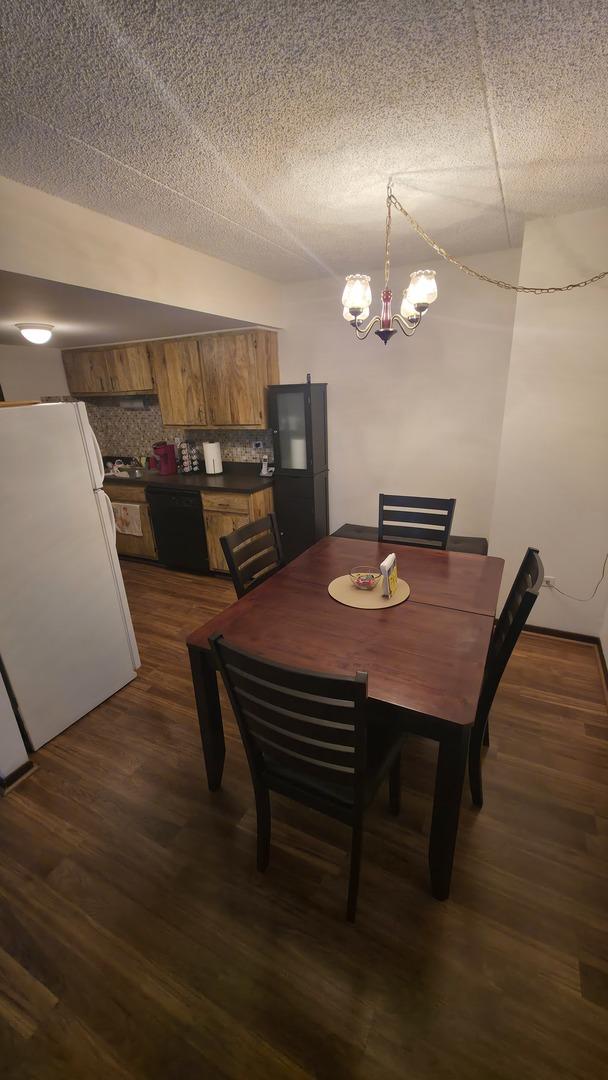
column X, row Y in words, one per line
column 549, row 582
column 257, row 445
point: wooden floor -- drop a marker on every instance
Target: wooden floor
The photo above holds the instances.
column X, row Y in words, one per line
column 137, row 939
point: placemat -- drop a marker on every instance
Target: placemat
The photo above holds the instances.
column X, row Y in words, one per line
column 343, row 590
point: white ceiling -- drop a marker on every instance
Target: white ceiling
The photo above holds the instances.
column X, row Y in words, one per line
column 263, row 131
column 88, row 317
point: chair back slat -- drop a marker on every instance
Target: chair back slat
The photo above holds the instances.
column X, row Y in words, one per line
column 406, row 519
column 512, row 619
column 253, row 553
column 306, row 709
column 298, row 721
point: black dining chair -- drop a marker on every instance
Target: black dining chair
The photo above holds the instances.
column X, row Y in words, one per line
column 507, row 629
column 403, row 519
column 253, row 553
column 307, row 736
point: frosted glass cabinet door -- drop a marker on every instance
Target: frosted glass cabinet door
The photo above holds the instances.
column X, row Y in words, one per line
column 291, row 425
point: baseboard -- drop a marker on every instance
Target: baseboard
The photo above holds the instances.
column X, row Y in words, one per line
column 8, row 782
column 569, row 634
column 587, row 639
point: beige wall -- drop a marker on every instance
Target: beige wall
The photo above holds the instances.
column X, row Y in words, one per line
column 29, row 372
column 552, row 484
column 50, row 238
column 421, row 416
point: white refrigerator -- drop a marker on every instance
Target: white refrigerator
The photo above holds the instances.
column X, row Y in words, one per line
column 66, row 636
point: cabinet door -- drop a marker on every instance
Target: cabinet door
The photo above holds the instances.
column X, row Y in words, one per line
column 129, row 369
column 142, row 547
column 220, row 524
column 234, row 383
column 179, row 384
column 87, row 372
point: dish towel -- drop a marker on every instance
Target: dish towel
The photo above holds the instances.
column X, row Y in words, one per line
column 128, row 518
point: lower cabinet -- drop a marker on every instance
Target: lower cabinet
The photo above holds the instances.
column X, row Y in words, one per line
column 140, row 547
column 223, row 513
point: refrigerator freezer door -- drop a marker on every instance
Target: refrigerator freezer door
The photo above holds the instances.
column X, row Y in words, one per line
column 65, row 632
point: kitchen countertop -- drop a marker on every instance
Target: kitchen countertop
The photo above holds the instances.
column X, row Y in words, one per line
column 240, row 480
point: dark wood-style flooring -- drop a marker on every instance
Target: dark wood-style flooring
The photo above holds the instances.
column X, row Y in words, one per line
column 138, row 940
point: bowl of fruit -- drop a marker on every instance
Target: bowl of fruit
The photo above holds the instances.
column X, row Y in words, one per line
column 365, row 577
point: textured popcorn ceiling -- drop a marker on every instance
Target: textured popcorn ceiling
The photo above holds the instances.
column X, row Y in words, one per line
column 263, row 131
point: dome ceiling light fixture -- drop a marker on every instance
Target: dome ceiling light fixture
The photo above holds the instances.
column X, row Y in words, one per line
column 38, row 333
column 422, row 289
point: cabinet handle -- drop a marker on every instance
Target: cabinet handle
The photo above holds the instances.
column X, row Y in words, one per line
column 100, row 382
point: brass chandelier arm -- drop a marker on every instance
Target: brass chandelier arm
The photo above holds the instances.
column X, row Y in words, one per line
column 537, row 291
column 407, row 327
column 362, row 332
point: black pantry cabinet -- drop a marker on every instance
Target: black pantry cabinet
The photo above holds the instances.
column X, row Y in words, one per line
column 298, row 418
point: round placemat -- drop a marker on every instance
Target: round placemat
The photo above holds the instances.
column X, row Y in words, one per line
column 343, row 590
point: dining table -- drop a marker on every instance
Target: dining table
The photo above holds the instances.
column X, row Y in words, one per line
column 425, row 657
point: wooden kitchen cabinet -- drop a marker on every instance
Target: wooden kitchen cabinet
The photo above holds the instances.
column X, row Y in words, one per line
column 129, row 370
column 237, row 368
column 215, row 381
column 225, row 512
column 179, row 382
column 140, row 547
column 125, row 370
column 87, row 371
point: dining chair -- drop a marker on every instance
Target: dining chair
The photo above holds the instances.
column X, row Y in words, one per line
column 403, row 519
column 507, row 629
column 307, row 737
column 253, row 553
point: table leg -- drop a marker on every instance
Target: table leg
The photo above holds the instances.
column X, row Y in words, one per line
column 451, row 765
column 204, row 678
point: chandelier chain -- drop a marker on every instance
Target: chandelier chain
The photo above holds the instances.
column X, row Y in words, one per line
column 391, row 200
column 387, row 238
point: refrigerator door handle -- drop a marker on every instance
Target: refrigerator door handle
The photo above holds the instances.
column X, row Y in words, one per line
column 111, row 514
column 99, row 457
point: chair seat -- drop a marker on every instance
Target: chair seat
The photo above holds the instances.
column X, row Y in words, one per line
column 471, row 545
column 384, row 742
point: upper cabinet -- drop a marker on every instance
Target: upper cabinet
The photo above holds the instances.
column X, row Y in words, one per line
column 129, row 370
column 124, row 370
column 217, row 380
column 179, row 382
column 87, row 372
column 237, row 368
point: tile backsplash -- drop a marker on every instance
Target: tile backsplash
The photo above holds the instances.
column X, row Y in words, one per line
column 134, row 431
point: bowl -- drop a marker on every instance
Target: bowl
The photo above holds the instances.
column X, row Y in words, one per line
column 365, row 577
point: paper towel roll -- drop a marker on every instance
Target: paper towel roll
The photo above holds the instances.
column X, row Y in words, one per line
column 213, row 457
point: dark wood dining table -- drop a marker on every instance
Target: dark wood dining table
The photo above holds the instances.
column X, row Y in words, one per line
column 424, row 658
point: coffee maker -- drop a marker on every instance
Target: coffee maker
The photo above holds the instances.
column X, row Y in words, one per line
column 164, row 455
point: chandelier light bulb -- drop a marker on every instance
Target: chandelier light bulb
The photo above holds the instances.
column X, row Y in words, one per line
column 422, row 289
column 37, row 333
column 357, row 295
column 407, row 310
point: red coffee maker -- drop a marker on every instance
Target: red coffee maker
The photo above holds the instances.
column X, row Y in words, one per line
column 164, row 454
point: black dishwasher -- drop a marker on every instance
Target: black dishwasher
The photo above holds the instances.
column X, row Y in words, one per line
column 177, row 517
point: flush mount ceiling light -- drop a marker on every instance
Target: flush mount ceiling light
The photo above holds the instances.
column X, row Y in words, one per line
column 38, row 333
column 422, row 289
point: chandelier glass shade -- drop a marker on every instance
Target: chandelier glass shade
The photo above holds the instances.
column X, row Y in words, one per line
column 357, row 297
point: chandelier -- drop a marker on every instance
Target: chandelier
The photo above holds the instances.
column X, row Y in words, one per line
column 357, row 296
column 422, row 289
